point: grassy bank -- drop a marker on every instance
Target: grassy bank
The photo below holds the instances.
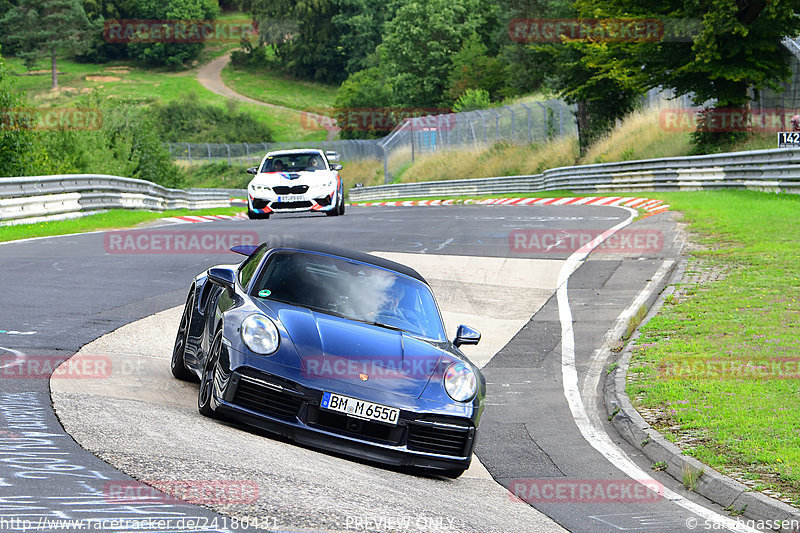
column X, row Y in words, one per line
column 267, row 84
column 115, row 218
column 716, row 371
column 638, row 136
column 127, row 81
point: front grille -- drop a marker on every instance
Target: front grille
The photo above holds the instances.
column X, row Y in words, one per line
column 285, row 189
column 290, row 205
column 263, row 399
column 362, row 428
column 258, row 203
column 449, row 439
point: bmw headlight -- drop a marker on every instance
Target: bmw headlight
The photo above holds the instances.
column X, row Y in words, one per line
column 460, row 382
column 260, row 334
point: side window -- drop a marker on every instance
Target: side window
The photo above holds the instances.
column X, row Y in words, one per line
column 249, row 267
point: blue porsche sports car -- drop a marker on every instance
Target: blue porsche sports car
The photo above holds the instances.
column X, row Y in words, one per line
column 333, row 348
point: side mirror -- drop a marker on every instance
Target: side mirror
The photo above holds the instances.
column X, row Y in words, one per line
column 336, row 166
column 252, row 170
column 466, row 335
column 222, row 276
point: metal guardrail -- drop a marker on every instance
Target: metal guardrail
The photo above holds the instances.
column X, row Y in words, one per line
column 766, row 170
column 39, row 198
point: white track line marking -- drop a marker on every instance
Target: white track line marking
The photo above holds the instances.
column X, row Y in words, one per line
column 596, row 435
column 18, row 356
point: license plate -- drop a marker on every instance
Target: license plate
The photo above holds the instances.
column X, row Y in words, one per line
column 291, row 198
column 359, row 408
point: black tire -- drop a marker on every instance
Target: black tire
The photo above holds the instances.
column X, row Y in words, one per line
column 339, row 209
column 178, row 364
column 207, row 378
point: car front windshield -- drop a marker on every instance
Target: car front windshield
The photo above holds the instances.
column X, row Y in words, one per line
column 352, row 290
column 293, row 163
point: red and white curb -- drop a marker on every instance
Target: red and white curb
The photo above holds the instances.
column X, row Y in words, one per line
column 194, row 219
column 646, row 204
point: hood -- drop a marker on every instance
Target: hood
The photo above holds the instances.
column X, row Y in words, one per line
column 271, row 179
column 341, row 349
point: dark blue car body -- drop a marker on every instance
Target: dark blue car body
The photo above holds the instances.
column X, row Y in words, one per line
column 283, row 392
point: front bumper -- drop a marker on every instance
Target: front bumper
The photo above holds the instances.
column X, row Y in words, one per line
column 427, row 440
column 263, row 203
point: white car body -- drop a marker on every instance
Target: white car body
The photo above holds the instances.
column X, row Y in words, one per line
column 297, row 186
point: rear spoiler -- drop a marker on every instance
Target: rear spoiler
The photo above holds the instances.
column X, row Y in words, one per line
column 333, row 156
column 245, row 249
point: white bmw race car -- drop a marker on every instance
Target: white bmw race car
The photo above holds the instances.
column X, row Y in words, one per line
column 290, row 181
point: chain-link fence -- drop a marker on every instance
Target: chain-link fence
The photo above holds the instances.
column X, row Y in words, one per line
column 246, row 153
column 521, row 123
column 517, row 123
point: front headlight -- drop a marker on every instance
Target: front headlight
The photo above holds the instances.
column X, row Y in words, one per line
column 260, row 334
column 460, row 382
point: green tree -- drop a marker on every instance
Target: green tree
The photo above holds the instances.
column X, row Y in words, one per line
column 171, row 54
column 421, row 40
column 736, row 47
column 474, row 68
column 567, row 69
column 17, row 141
column 359, row 26
column 45, row 27
column 303, row 36
column 362, row 91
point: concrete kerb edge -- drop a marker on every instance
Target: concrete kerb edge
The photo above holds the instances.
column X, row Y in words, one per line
column 711, row 484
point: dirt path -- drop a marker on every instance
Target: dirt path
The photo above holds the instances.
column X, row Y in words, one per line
column 210, row 77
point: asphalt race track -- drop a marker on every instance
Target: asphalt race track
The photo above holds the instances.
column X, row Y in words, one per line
column 543, row 312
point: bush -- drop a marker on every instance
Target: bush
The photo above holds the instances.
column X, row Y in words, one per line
column 127, row 144
column 471, row 100
column 17, row 141
column 189, row 120
column 362, row 90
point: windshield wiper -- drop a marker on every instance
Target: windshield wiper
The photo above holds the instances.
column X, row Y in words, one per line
column 382, row 325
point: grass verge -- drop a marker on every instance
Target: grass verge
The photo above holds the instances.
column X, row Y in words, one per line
column 115, row 218
column 717, row 369
column 128, row 81
column 267, row 84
